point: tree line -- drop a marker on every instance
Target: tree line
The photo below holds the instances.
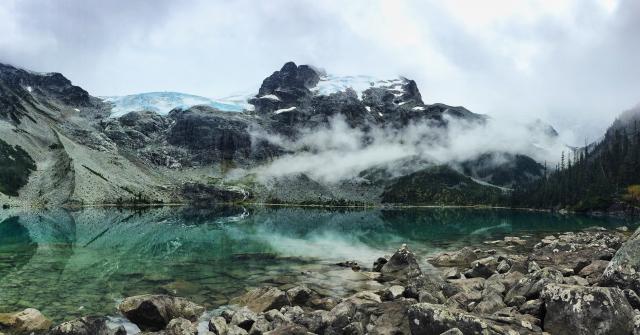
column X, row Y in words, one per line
column 589, row 178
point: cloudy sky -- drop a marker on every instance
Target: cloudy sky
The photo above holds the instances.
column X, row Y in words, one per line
column 571, row 63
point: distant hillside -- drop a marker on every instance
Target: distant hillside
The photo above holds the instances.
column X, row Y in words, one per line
column 604, row 176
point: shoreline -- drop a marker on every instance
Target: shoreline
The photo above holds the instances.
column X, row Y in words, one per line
column 507, row 283
column 618, row 214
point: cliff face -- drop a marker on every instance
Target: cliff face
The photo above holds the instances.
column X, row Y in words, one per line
column 83, row 154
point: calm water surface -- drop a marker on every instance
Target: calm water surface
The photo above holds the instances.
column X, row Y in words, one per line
column 75, row 263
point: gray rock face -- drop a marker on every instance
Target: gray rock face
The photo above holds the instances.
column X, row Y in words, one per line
column 154, row 312
column 210, row 135
column 290, row 85
column 428, row 319
column 402, row 265
column 623, row 269
column 86, row 326
column 586, row 310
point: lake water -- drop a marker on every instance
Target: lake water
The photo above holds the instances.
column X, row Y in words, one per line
column 75, row 263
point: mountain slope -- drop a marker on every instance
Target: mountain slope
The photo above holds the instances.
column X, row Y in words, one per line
column 310, row 138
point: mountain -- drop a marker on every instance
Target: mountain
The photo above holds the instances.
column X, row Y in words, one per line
column 305, row 137
column 163, row 102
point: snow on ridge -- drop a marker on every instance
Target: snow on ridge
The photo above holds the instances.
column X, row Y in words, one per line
column 270, row 97
column 163, row 102
column 282, row 110
column 330, row 84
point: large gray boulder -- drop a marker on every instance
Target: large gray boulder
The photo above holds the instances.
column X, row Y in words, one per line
column 154, row 312
column 402, row 265
column 460, row 258
column 624, row 269
column 531, row 285
column 27, row 321
column 584, row 310
column 429, row 319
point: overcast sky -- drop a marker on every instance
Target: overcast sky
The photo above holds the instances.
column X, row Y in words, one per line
column 571, row 63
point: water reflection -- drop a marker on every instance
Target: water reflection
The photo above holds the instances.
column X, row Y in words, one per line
column 76, row 263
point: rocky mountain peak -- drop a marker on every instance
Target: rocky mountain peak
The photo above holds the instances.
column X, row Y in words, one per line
column 291, row 77
column 20, row 88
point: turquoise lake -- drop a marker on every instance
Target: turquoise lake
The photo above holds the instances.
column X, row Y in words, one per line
column 75, row 263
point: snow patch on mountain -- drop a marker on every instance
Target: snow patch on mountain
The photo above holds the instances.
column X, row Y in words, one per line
column 163, row 102
column 330, row 84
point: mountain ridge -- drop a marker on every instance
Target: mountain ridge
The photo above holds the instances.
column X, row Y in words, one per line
column 200, row 153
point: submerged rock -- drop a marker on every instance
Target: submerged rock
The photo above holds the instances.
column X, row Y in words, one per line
column 586, row 310
column 154, row 312
column 27, row 321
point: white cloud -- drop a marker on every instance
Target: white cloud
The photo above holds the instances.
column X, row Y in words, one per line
column 570, row 62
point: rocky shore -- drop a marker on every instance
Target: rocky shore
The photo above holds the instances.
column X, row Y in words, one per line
column 577, row 282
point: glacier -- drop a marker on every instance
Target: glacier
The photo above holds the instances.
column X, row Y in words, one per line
column 163, row 102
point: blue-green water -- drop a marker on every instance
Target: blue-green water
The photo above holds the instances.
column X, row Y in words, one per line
column 74, row 263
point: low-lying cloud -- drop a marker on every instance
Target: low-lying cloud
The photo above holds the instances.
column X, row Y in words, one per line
column 337, row 152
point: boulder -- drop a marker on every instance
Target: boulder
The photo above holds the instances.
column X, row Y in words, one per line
column 263, row 299
column 503, row 266
column 490, row 303
column 460, row 258
column 154, row 312
column 394, row 292
column 87, row 326
column 533, row 307
column 179, row 326
column 593, row 271
column 624, row 269
column 454, row 331
column 218, row 325
column 235, row 330
column 632, row 298
column 532, row 284
column 484, row 268
column 27, row 321
column 586, row 310
column 575, row 280
column 429, row 319
column 402, row 265
column 290, row 329
column 244, row 318
column 299, row 295
column 379, row 263
column 260, row 326
column 428, row 283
